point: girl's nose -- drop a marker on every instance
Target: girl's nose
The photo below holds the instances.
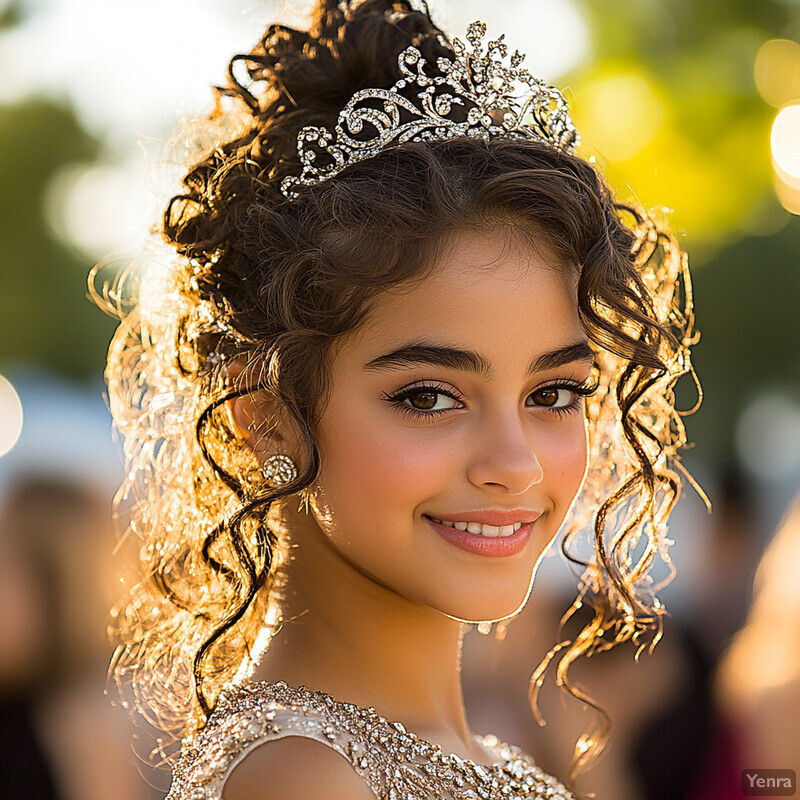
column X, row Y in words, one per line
column 504, row 456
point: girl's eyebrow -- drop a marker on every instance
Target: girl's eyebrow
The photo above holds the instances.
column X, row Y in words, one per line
column 416, row 353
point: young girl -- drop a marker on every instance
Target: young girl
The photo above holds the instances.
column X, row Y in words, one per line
column 406, row 336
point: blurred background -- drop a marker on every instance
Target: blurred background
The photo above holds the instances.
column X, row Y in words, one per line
column 686, row 105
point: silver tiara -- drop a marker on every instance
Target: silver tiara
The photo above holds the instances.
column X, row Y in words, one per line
column 476, row 94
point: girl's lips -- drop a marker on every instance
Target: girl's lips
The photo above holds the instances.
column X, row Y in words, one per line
column 484, row 545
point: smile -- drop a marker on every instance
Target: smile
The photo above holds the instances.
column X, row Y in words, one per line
column 481, row 539
column 490, row 531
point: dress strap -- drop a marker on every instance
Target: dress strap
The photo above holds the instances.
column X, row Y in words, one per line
column 249, row 716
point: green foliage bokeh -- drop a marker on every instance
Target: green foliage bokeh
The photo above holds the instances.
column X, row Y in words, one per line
column 44, row 312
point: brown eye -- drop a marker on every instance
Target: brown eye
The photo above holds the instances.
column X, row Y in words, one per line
column 423, row 400
column 547, row 396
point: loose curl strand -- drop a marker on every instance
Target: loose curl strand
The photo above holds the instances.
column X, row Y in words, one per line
column 251, row 293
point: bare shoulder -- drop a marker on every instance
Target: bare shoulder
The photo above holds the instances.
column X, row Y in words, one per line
column 295, row 767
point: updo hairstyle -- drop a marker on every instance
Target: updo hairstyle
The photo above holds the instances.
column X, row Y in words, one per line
column 272, row 285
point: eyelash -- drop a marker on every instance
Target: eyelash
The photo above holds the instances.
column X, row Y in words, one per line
column 580, row 390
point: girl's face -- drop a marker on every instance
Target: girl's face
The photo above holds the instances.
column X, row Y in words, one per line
column 455, row 403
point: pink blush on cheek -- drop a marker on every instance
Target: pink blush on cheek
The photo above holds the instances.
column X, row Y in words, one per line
column 392, row 467
column 376, row 469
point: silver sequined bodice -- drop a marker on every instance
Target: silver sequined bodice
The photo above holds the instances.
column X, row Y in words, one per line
column 394, row 763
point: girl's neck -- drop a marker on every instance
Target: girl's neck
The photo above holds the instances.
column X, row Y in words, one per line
column 363, row 643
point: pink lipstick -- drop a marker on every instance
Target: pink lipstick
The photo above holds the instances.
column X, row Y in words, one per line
column 479, row 544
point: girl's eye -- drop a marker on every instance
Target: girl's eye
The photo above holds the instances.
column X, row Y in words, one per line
column 424, row 401
column 550, row 395
column 563, row 398
column 427, row 400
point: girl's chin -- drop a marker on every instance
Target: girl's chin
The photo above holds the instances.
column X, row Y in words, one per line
column 490, row 611
column 475, row 600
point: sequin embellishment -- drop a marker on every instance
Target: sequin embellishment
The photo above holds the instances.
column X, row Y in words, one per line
column 394, row 763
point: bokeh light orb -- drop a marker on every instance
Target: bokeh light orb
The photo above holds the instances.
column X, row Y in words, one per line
column 768, row 437
column 10, row 416
column 777, row 71
column 621, row 112
column 785, row 142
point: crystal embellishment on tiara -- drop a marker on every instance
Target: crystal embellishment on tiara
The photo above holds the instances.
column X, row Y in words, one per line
column 478, row 94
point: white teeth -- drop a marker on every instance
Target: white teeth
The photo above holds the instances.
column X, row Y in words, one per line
column 490, row 531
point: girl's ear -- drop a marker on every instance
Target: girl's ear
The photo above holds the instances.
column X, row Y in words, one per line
column 259, row 422
column 247, row 415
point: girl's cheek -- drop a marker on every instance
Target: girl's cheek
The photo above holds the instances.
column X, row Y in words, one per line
column 573, row 465
column 369, row 456
column 563, row 455
column 395, row 464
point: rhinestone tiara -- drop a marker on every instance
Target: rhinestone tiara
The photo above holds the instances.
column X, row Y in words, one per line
column 476, row 94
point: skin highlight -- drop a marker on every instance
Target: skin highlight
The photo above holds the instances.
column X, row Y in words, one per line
column 375, row 599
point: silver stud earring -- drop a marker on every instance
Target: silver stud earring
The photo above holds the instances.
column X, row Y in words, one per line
column 279, row 470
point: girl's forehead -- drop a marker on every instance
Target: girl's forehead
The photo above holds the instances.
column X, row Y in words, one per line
column 487, row 298
column 482, row 263
column 504, row 250
column 482, row 272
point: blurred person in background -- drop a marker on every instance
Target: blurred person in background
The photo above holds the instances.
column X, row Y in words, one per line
column 61, row 739
column 25, row 769
column 759, row 678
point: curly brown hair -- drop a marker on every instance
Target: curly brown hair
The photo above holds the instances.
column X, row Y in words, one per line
column 273, row 284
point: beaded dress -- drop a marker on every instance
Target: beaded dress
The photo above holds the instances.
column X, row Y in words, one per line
column 393, row 762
